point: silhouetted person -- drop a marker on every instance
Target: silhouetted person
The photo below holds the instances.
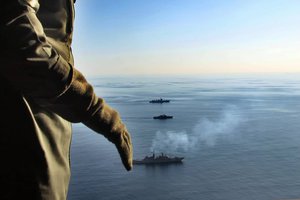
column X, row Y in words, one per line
column 42, row 93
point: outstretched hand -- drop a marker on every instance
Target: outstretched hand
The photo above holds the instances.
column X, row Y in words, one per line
column 125, row 150
column 107, row 122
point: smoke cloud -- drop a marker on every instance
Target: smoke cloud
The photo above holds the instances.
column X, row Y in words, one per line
column 205, row 132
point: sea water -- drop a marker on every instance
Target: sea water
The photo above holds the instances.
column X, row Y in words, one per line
column 239, row 136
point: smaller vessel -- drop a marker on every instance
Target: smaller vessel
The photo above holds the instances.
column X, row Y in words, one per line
column 163, row 117
column 160, row 101
column 162, row 159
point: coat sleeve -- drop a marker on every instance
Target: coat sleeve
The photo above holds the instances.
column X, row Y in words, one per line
column 31, row 65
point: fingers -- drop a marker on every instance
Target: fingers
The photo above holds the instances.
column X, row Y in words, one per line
column 125, row 150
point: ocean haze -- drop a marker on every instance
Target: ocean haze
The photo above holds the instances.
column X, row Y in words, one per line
column 239, row 136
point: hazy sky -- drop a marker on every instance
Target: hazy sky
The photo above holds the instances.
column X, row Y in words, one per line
column 187, row 36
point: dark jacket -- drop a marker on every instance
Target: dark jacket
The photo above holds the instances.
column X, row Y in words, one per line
column 42, row 93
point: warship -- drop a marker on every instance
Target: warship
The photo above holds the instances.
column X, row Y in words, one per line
column 162, row 159
column 163, row 117
column 159, row 101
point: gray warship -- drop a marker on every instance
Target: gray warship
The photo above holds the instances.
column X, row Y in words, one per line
column 162, row 159
column 163, row 117
column 160, row 101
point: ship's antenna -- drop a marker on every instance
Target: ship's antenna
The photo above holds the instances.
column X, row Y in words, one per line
column 153, row 153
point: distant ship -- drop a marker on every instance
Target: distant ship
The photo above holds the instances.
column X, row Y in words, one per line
column 159, row 101
column 162, row 159
column 163, row 117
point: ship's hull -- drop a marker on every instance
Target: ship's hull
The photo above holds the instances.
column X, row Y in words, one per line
column 153, row 162
column 159, row 117
column 159, row 101
column 167, row 101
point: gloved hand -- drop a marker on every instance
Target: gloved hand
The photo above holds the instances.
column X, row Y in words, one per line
column 108, row 122
column 79, row 103
column 124, row 148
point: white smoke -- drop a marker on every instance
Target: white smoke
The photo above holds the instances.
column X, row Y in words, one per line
column 171, row 141
column 206, row 132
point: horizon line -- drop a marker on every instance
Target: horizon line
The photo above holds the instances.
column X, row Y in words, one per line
column 195, row 74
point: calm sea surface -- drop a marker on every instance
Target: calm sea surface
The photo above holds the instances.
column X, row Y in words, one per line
column 240, row 136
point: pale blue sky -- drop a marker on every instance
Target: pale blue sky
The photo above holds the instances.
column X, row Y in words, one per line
column 187, row 36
